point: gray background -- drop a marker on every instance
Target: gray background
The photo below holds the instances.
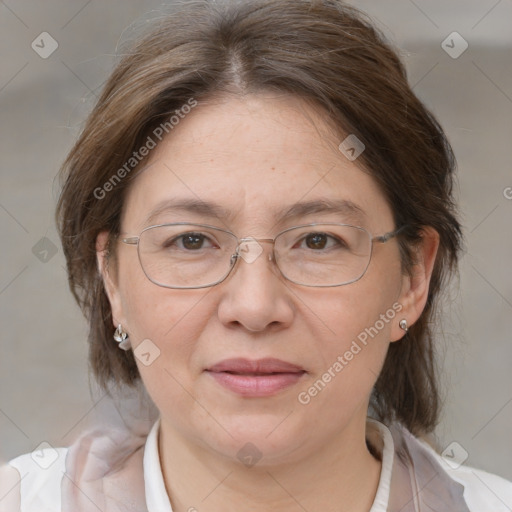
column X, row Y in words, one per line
column 45, row 390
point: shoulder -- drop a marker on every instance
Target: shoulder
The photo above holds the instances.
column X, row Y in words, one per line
column 482, row 490
column 89, row 470
column 32, row 482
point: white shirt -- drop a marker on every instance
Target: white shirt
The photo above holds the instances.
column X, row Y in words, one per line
column 40, row 488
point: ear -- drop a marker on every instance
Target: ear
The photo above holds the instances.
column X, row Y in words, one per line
column 109, row 279
column 414, row 290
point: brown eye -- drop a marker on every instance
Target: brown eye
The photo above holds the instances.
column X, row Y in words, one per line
column 193, row 241
column 320, row 241
column 188, row 242
column 316, row 241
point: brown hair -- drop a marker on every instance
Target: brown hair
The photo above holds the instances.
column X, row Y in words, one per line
column 323, row 51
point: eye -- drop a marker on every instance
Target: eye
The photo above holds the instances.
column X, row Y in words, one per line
column 320, row 241
column 188, row 241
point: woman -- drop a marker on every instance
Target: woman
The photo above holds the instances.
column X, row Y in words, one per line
column 258, row 222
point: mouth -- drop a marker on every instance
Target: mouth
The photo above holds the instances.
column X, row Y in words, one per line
column 256, row 378
column 255, row 366
column 256, row 374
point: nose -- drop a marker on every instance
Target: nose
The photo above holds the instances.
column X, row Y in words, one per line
column 255, row 295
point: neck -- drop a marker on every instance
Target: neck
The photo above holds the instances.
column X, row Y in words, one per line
column 340, row 475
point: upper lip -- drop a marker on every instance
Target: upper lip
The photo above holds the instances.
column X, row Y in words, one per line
column 267, row 365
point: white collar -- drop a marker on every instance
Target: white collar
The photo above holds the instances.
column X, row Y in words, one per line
column 157, row 499
column 381, row 439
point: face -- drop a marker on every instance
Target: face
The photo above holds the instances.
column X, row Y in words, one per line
column 254, row 157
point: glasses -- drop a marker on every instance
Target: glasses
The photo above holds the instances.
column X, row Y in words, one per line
column 185, row 255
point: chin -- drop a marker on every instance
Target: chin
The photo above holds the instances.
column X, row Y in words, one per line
column 255, row 436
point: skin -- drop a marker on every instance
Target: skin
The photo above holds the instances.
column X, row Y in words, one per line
column 253, row 155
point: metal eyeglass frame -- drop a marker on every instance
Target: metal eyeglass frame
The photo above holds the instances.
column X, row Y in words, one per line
column 134, row 240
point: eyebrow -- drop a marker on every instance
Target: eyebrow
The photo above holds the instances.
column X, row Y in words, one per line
column 343, row 207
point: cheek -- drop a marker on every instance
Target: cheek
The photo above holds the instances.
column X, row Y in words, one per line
column 354, row 329
column 163, row 325
column 172, row 320
column 363, row 311
column 152, row 311
column 351, row 363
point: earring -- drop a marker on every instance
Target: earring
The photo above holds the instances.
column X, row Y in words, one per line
column 122, row 338
column 403, row 325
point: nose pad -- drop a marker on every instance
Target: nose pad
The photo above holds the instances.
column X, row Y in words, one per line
column 249, row 250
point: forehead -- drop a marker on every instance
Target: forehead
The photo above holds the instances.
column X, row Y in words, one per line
column 258, row 159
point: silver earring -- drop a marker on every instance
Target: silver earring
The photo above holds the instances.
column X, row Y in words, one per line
column 403, row 325
column 122, row 338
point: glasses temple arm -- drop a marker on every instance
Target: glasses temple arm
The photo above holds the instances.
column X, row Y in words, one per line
column 387, row 236
column 133, row 240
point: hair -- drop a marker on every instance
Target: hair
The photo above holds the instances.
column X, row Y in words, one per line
column 323, row 51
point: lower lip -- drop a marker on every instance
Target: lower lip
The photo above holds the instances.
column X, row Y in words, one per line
column 256, row 385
